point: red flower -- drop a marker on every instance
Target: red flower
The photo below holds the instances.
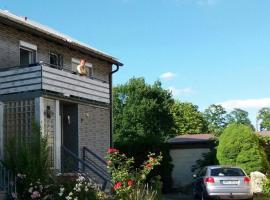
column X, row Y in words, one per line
column 149, row 166
column 130, row 182
column 117, row 185
column 112, row 150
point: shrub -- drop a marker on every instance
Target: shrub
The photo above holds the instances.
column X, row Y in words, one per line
column 125, row 177
column 265, row 142
column 239, row 146
column 30, row 157
column 139, row 149
column 266, row 186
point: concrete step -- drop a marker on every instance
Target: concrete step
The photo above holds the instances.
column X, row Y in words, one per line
column 3, row 195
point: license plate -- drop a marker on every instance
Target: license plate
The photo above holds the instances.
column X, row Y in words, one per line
column 230, row 182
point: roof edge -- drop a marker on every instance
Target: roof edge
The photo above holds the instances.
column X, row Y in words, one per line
column 42, row 29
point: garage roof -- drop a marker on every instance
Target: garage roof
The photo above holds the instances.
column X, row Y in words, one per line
column 191, row 139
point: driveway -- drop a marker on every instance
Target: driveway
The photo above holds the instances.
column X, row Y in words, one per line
column 177, row 196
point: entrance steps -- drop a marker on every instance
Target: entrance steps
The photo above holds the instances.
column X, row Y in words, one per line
column 3, row 195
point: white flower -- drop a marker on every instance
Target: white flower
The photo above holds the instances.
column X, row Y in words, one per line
column 86, row 189
column 30, row 190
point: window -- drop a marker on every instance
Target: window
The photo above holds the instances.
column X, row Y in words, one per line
column 28, row 53
column 227, row 172
column 75, row 62
column 56, row 60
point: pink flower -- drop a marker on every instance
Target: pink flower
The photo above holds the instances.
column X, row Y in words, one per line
column 35, row 195
column 109, row 162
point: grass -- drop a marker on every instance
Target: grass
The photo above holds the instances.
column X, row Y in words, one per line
column 262, row 197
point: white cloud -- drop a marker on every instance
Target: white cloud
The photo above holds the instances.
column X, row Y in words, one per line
column 246, row 103
column 176, row 92
column 167, row 76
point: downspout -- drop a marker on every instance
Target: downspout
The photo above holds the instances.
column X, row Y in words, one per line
column 111, row 103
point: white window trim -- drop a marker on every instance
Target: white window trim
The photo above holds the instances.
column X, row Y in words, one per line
column 28, row 45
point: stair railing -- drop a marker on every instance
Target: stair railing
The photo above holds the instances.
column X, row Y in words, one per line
column 82, row 166
column 96, row 161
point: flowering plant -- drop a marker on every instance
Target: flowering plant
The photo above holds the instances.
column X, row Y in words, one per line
column 82, row 188
column 124, row 176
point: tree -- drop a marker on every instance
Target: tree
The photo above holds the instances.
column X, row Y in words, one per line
column 239, row 116
column 142, row 122
column 141, row 110
column 188, row 119
column 264, row 118
column 239, row 146
column 215, row 116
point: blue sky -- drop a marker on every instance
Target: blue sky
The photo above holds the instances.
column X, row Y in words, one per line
column 205, row 51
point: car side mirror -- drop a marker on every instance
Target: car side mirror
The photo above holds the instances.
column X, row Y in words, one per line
column 194, row 175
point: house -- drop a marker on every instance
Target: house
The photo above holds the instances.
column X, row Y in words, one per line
column 40, row 81
column 185, row 150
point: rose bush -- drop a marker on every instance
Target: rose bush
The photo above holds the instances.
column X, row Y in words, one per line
column 124, row 176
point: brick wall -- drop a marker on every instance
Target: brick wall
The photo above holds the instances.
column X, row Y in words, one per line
column 94, row 129
column 10, row 54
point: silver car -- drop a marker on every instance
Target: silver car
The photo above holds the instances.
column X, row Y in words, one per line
column 222, row 182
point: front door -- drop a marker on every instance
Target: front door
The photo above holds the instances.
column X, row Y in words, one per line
column 69, row 136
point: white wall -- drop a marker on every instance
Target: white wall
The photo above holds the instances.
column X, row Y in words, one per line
column 183, row 159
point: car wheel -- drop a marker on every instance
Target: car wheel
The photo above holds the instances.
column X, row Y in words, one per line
column 203, row 197
column 195, row 194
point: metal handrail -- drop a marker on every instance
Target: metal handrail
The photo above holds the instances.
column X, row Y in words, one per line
column 85, row 165
column 86, row 150
column 86, row 158
column 99, row 168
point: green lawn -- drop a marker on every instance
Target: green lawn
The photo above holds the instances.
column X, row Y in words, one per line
column 262, row 197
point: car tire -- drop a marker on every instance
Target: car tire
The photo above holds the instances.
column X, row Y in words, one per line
column 203, row 196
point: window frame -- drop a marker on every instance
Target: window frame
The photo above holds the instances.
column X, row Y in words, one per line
column 31, row 48
column 60, row 63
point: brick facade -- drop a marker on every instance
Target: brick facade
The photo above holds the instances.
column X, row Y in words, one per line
column 94, row 128
column 10, row 52
column 93, row 120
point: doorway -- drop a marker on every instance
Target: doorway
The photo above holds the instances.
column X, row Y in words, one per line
column 69, row 116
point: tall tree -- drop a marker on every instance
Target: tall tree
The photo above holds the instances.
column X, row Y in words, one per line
column 215, row 116
column 188, row 119
column 141, row 110
column 239, row 116
column 264, row 118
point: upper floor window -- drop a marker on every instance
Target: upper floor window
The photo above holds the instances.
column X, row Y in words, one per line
column 56, row 60
column 89, row 67
column 28, row 53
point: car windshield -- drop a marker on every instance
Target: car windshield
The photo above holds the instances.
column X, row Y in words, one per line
column 227, row 172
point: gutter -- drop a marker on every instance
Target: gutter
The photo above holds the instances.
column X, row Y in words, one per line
column 111, row 102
